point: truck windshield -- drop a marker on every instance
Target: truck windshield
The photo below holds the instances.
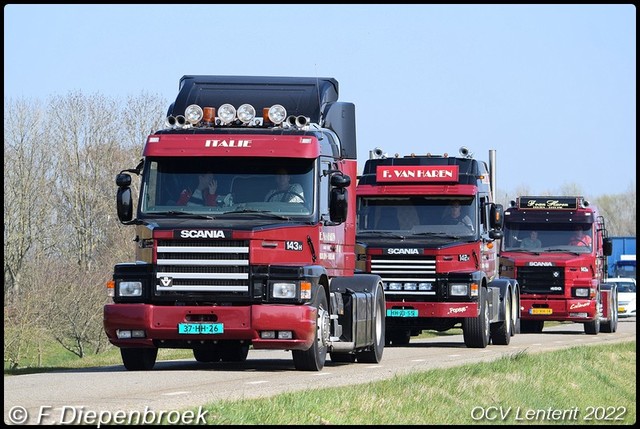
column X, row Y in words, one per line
column 548, row 237
column 418, row 215
column 281, row 186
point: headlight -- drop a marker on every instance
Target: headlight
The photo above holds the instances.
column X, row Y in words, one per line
column 284, row 290
column 459, row 289
column 128, row 288
column 582, row 292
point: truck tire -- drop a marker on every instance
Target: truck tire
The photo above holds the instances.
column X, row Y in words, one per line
column 398, row 337
column 206, row 354
column 611, row 325
column 342, row 357
column 139, row 359
column 532, row 326
column 374, row 355
column 235, row 351
column 314, row 358
column 475, row 330
column 593, row 327
column 501, row 331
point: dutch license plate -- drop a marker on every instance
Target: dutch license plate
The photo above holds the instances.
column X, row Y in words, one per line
column 540, row 311
column 402, row 313
column 620, row 309
column 200, row 328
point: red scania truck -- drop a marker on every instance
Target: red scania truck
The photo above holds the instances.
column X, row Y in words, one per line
column 231, row 265
column 562, row 271
column 439, row 271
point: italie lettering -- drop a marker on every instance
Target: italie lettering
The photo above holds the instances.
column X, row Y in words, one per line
column 227, row 143
column 440, row 173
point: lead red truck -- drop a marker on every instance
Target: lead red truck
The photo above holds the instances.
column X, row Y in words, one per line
column 224, row 259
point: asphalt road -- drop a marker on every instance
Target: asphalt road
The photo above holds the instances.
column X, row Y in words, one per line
column 90, row 395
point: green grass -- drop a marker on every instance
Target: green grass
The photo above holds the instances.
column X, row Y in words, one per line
column 544, row 388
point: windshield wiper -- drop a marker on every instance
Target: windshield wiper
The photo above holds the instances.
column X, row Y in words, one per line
column 562, row 250
column 385, row 233
column 436, row 234
column 181, row 213
column 265, row 213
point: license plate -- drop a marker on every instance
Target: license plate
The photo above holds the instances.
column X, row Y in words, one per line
column 200, row 328
column 620, row 309
column 540, row 311
column 402, row 313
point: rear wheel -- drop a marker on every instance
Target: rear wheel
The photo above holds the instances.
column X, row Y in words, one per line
column 532, row 326
column 611, row 325
column 314, row 358
column 139, row 359
column 501, row 331
column 343, row 357
column 398, row 337
column 374, row 355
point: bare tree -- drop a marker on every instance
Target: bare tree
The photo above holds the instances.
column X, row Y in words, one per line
column 27, row 174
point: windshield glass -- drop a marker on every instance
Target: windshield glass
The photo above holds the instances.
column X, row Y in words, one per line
column 548, row 237
column 417, row 215
column 223, row 185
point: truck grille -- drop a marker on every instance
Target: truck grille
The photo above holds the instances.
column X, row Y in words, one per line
column 545, row 280
column 203, row 266
column 404, row 269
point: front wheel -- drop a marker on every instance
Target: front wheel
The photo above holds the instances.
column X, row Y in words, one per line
column 475, row 330
column 314, row 358
column 139, row 359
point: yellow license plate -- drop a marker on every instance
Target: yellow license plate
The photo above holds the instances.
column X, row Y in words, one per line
column 540, row 311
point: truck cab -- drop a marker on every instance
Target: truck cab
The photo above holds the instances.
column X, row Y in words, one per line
column 428, row 226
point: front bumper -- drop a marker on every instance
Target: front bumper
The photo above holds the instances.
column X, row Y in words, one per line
column 240, row 323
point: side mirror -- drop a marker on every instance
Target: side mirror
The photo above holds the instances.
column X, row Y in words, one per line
column 607, row 246
column 497, row 216
column 340, row 181
column 123, row 180
column 338, row 205
column 124, row 200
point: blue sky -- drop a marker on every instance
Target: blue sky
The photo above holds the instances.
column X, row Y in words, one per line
column 552, row 88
